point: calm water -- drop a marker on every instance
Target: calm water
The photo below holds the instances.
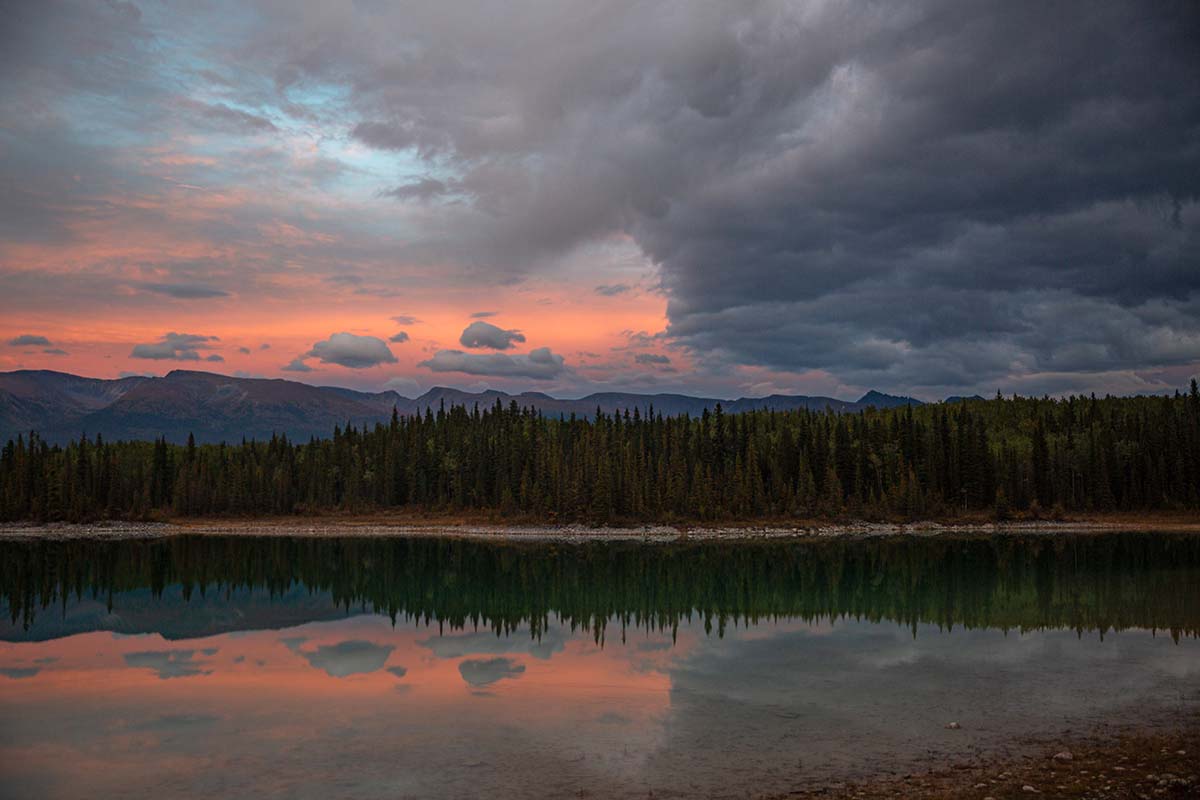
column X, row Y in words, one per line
column 328, row 668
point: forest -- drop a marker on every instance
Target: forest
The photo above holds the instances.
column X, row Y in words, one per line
column 1001, row 456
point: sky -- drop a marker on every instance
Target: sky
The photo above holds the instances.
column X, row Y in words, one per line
column 729, row 199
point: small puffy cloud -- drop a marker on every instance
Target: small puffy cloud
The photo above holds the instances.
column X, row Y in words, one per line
column 185, row 291
column 612, row 290
column 399, row 337
column 540, row 364
column 214, row 358
column 29, row 340
column 16, row 673
column 174, row 347
column 265, row 346
column 486, row 671
column 405, row 319
column 244, row 351
column 484, row 314
column 485, row 334
column 398, row 671
column 55, row 351
column 651, row 358
column 167, row 663
column 355, row 657
column 352, row 351
column 296, row 365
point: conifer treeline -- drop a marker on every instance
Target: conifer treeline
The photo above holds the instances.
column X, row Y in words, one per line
column 1001, row 455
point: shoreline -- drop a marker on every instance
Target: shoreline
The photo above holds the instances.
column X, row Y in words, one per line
column 490, row 530
column 1109, row 760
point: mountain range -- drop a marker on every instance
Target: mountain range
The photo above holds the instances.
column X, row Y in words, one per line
column 215, row 408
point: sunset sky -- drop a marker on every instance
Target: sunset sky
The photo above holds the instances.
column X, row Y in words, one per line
column 722, row 198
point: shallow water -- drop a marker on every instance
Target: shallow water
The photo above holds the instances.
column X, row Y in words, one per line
column 210, row 666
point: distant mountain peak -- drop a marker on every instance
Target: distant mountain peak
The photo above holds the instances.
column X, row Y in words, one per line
column 881, row 400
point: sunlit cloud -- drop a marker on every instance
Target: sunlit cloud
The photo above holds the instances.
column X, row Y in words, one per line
column 538, row 364
column 485, row 334
column 175, row 347
column 352, row 351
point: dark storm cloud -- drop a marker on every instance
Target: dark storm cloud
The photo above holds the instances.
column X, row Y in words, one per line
column 539, row 364
column 965, row 196
column 485, row 334
column 174, row 347
column 399, row 337
column 29, row 340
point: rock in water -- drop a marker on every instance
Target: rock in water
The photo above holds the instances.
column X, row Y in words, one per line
column 1064, row 757
column 953, row 726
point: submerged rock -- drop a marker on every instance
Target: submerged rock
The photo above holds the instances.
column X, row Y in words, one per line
column 953, row 726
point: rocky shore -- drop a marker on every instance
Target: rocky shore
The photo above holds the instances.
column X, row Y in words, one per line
column 434, row 527
column 1141, row 762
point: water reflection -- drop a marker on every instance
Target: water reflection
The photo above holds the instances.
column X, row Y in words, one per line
column 189, row 586
column 207, row 667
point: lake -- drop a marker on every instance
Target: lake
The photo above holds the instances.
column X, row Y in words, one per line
column 202, row 666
